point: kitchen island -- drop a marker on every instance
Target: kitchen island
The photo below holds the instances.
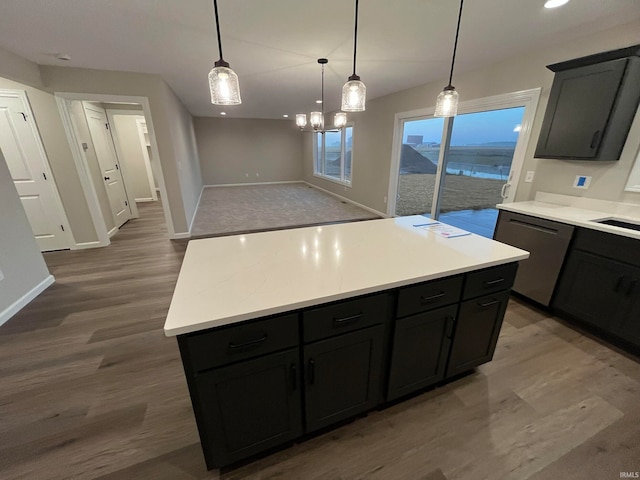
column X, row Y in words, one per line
column 288, row 332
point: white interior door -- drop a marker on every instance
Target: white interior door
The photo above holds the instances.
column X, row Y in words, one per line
column 105, row 151
column 22, row 148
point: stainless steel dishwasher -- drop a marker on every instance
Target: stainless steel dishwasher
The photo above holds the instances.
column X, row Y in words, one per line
column 547, row 242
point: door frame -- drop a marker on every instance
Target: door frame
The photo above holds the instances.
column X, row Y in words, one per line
column 524, row 98
column 63, row 99
column 145, row 154
column 67, row 233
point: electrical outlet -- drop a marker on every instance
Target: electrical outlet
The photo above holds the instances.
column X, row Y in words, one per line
column 582, row 181
column 529, row 176
column 385, row 200
column 257, row 174
column 246, row 175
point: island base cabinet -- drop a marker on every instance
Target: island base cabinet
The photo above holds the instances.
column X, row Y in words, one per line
column 342, row 376
column 420, row 351
column 246, row 408
column 476, row 332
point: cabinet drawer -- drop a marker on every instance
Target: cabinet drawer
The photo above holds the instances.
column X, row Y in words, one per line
column 345, row 316
column 429, row 295
column 616, row 247
column 489, row 280
column 239, row 342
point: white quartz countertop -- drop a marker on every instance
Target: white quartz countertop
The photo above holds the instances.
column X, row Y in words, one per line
column 225, row 280
column 580, row 212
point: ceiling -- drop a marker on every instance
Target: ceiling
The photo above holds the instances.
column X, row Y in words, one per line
column 273, row 45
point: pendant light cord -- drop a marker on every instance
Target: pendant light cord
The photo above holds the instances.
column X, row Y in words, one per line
column 355, row 40
column 322, row 95
column 215, row 9
column 455, row 45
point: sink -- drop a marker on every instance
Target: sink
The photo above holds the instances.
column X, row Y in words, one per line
column 619, row 223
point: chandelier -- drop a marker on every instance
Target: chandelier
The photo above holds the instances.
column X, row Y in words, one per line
column 316, row 119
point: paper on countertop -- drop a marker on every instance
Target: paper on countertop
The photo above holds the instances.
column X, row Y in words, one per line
column 446, row 231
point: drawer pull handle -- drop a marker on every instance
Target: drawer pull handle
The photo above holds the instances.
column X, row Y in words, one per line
column 491, row 283
column 252, row 343
column 343, row 321
column 432, row 298
column 631, row 287
column 312, row 371
column 488, row 304
column 616, row 289
column 533, row 226
column 294, row 377
column 450, row 324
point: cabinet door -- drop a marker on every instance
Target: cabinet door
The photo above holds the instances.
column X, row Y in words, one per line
column 342, row 376
column 580, row 104
column 591, row 289
column 629, row 326
column 248, row 407
column 476, row 332
column 420, row 350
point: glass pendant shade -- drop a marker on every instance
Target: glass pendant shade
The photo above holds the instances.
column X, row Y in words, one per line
column 354, row 95
column 340, row 120
column 317, row 120
column 224, row 86
column 301, row 120
column 447, row 103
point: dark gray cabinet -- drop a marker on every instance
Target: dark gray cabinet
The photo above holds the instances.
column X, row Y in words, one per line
column 546, row 241
column 600, row 284
column 342, row 376
column 591, row 106
column 420, row 350
column 476, row 332
column 249, row 407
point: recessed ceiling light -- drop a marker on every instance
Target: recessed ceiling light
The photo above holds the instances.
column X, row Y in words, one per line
column 318, row 101
column 63, row 56
column 223, row 113
column 555, row 3
column 285, row 115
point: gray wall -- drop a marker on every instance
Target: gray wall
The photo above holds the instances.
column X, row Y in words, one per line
column 171, row 121
column 56, row 146
column 235, row 150
column 130, row 147
column 373, row 129
column 21, row 262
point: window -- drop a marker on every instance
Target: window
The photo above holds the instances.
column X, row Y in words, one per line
column 332, row 155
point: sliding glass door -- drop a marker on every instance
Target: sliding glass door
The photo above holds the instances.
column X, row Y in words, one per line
column 457, row 169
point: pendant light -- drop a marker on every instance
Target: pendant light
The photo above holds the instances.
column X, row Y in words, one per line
column 316, row 119
column 354, row 92
column 223, row 82
column 447, row 102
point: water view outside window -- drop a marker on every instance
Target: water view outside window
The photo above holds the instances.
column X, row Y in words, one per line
column 478, row 164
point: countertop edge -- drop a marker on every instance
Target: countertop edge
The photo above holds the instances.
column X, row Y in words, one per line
column 174, row 332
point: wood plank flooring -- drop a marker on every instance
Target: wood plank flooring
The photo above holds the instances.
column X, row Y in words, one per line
column 91, row 389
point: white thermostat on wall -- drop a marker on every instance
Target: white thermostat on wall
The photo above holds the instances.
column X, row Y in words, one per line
column 582, row 181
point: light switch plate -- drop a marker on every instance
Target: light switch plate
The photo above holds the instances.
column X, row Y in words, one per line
column 582, row 181
column 529, row 176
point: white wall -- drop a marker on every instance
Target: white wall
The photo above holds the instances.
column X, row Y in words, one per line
column 24, row 273
column 373, row 129
column 235, row 150
column 132, row 156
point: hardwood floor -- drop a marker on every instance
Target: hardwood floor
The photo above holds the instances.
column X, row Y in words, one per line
column 91, row 388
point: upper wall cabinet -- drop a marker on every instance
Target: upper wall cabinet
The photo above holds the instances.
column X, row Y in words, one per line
column 592, row 104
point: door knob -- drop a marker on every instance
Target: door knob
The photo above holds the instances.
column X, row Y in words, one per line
column 107, row 178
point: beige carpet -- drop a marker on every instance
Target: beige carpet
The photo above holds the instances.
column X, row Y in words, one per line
column 255, row 208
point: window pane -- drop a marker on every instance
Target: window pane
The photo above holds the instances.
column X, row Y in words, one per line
column 318, row 153
column 332, row 150
column 348, row 141
column 418, row 165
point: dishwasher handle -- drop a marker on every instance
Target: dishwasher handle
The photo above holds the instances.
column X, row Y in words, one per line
column 533, row 226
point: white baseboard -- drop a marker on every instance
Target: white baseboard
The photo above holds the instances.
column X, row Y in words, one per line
column 23, row 301
column 145, row 199
column 249, row 184
column 180, row 236
column 83, row 245
column 364, row 207
column 193, row 217
column 113, row 231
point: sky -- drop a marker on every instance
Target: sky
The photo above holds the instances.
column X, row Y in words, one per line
column 471, row 128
